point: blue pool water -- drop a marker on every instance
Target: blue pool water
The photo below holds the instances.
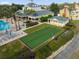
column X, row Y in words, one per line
column 4, row 25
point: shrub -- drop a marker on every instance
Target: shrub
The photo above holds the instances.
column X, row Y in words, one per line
column 30, row 23
column 44, row 19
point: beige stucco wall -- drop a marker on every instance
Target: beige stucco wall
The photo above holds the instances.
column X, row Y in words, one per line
column 56, row 23
column 75, row 17
column 62, row 13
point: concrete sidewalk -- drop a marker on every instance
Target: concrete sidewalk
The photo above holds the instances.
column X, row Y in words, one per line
column 14, row 36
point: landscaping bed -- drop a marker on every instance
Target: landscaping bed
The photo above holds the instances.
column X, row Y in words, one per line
column 30, row 23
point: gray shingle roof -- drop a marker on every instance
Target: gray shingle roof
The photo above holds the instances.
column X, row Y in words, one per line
column 60, row 19
column 35, row 14
column 32, row 5
column 41, row 13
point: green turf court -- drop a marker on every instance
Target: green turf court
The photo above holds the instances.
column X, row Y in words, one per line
column 41, row 34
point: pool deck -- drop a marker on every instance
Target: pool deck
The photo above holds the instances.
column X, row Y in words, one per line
column 6, row 37
column 14, row 36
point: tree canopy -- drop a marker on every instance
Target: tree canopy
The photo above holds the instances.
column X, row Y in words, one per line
column 54, row 8
column 9, row 10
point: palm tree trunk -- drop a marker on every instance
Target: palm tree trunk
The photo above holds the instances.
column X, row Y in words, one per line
column 16, row 25
column 19, row 25
column 15, row 22
column 11, row 20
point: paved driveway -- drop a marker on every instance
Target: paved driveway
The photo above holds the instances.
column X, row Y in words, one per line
column 66, row 54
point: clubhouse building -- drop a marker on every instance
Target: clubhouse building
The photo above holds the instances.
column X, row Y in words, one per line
column 32, row 12
column 34, row 16
column 37, row 13
column 58, row 21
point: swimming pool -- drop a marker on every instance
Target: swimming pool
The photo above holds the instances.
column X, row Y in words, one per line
column 4, row 25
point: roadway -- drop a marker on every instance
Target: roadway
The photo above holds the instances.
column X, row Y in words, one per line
column 67, row 53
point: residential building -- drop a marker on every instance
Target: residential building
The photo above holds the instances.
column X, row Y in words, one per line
column 65, row 11
column 75, row 12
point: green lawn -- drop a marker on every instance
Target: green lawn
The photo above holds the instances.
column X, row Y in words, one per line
column 11, row 50
column 75, row 21
column 54, row 45
column 14, row 49
column 35, row 28
column 39, row 35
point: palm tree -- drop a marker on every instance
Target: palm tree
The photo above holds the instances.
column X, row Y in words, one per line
column 15, row 22
column 19, row 24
